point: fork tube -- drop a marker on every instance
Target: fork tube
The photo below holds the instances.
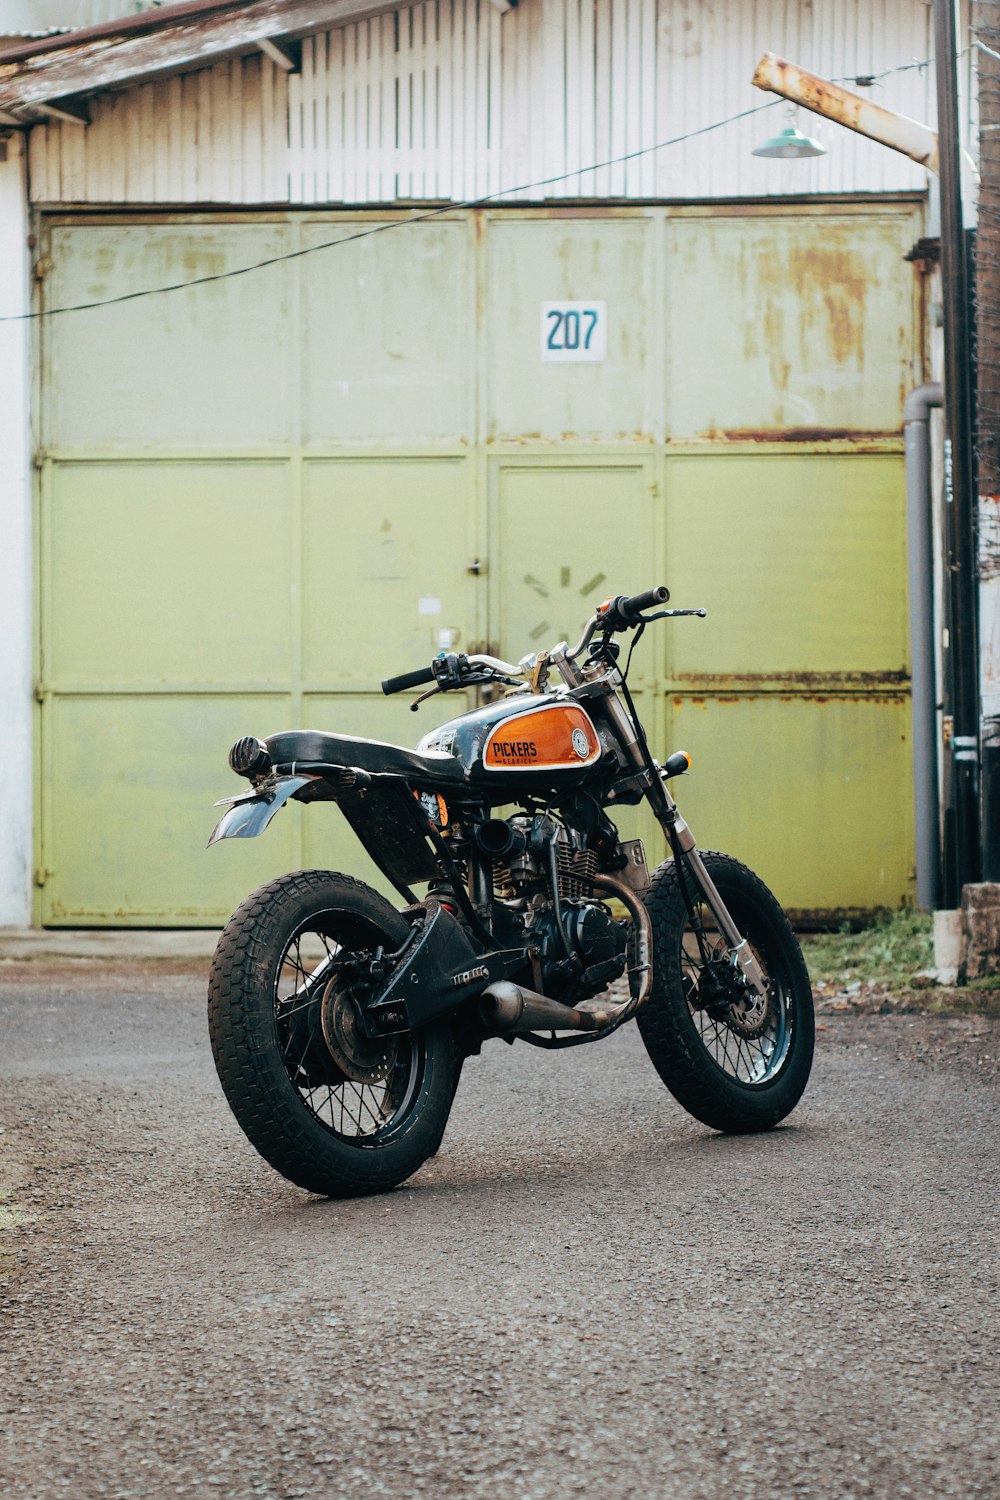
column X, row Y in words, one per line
column 682, row 842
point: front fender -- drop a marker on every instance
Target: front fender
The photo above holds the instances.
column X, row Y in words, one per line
column 249, row 815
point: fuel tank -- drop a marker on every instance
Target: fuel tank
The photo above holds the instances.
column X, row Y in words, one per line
column 521, row 739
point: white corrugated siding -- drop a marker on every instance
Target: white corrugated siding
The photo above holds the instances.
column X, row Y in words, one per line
column 449, row 100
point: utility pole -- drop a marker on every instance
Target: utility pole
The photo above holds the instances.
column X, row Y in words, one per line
column 987, row 30
column 961, row 656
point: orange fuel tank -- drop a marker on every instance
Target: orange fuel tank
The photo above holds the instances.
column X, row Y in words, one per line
column 555, row 737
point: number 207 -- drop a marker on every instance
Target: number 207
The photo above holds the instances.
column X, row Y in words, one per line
column 576, row 328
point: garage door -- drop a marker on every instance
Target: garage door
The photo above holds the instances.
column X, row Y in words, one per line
column 259, row 495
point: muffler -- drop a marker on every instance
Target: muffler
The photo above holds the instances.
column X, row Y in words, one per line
column 511, row 1010
column 508, row 1007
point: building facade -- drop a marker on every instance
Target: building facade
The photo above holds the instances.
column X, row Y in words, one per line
column 430, row 330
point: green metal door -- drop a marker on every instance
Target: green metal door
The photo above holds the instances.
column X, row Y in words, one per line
column 260, row 495
column 247, row 518
column 741, row 442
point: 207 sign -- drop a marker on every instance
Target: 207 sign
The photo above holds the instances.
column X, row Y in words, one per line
column 574, row 331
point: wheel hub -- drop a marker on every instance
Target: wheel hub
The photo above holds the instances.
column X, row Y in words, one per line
column 749, row 1014
column 358, row 1056
column 724, row 993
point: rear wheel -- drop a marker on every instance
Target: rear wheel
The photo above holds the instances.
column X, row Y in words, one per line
column 331, row 1110
column 736, row 1061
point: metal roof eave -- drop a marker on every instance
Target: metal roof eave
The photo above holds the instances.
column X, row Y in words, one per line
column 181, row 43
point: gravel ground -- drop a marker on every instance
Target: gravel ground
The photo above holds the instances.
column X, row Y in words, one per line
column 584, row 1293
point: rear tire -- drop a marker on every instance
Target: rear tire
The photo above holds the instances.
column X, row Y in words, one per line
column 734, row 1065
column 335, row 1132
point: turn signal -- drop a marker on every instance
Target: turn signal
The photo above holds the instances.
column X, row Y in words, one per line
column 676, row 764
column 249, row 758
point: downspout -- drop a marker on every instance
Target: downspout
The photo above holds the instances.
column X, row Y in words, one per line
column 920, row 550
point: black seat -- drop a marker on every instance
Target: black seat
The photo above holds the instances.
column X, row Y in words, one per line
column 307, row 745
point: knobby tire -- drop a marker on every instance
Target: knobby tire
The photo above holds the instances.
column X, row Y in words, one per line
column 724, row 1078
column 269, row 1088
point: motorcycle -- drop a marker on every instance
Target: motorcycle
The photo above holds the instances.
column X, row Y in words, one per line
column 339, row 1024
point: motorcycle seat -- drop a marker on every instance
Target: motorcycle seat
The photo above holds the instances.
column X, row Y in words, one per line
column 310, row 745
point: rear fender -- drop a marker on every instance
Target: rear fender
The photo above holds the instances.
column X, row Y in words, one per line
column 249, row 814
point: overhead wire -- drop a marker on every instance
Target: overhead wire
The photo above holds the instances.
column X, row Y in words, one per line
column 425, row 215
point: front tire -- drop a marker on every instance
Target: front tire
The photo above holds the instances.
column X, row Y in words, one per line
column 734, row 1064
column 332, row 1112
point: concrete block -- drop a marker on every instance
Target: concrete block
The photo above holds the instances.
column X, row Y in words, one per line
column 980, row 930
column 947, row 945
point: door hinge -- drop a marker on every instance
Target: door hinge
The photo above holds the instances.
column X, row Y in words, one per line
column 42, row 267
column 41, row 692
column 42, row 874
column 39, row 458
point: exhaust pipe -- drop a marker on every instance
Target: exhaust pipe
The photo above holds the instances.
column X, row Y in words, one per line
column 507, row 1007
column 511, row 1010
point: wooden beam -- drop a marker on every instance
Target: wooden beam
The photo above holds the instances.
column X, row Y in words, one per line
column 69, row 114
column 277, row 54
column 187, row 44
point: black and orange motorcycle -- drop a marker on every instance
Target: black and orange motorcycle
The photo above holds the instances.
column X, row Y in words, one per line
column 339, row 1024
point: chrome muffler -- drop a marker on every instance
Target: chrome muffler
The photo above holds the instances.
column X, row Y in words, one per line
column 508, row 1007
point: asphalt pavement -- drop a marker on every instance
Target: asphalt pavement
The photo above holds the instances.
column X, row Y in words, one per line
column 584, row 1293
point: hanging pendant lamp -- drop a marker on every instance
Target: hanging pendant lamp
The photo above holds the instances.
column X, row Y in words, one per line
column 789, row 144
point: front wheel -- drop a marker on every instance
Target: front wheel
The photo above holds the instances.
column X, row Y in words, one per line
column 735, row 1061
column 331, row 1110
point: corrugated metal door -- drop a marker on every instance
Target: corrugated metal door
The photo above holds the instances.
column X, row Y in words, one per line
column 253, row 507
column 260, row 495
column 791, row 349
column 742, row 442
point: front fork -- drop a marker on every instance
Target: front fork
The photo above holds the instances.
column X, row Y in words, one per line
column 682, row 843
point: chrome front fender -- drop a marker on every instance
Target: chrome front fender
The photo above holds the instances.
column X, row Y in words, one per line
column 249, row 814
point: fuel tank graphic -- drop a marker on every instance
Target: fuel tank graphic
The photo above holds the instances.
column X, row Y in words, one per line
column 558, row 737
column 504, row 744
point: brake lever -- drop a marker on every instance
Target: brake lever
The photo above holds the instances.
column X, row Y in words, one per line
column 672, row 614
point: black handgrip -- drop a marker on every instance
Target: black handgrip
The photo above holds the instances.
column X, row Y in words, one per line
column 407, row 680
column 625, row 610
column 630, row 607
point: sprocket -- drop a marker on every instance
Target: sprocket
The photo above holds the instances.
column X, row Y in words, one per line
column 359, row 1057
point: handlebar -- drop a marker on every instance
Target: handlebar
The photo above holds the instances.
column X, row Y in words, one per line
column 619, row 613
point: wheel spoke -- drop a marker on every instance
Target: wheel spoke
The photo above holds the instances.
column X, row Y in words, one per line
column 748, row 1058
column 355, row 1111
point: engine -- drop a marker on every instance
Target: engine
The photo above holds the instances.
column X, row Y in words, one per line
column 582, row 946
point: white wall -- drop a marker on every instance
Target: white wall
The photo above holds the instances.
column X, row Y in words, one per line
column 450, row 100
column 15, row 546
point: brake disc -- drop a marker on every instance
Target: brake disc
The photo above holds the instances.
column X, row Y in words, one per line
column 361, row 1058
column 750, row 1015
column 725, row 995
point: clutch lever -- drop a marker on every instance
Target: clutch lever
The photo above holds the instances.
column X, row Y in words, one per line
column 468, row 679
column 423, row 696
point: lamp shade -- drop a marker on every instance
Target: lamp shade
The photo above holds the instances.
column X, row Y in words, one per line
column 789, row 143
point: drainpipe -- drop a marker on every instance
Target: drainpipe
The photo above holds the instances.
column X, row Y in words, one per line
column 963, row 839
column 920, row 550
